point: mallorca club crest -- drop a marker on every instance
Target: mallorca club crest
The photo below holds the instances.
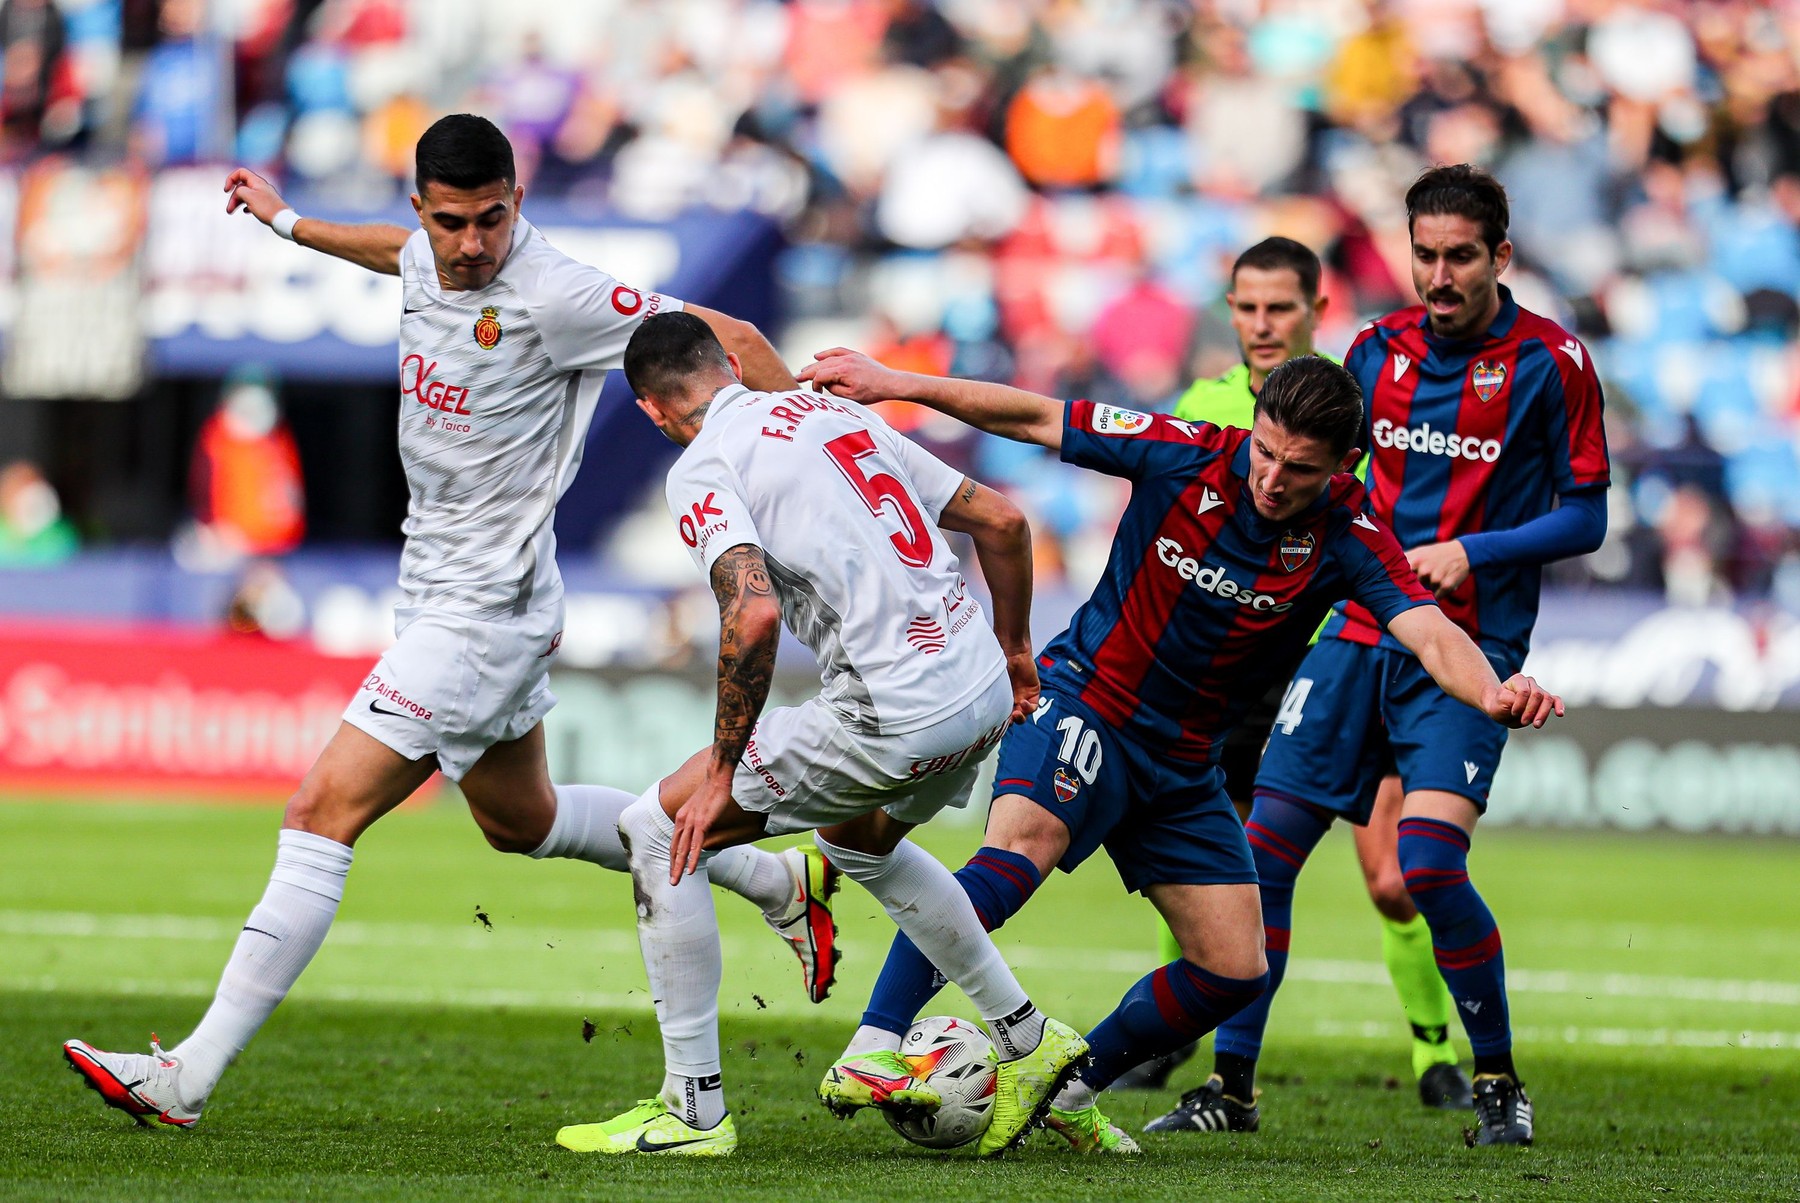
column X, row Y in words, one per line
column 1066, row 786
column 1488, row 378
column 1296, row 550
column 487, row 328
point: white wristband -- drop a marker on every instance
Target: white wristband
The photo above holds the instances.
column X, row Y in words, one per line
column 283, row 223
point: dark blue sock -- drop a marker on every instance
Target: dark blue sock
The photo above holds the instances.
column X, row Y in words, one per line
column 998, row 882
column 1434, row 857
column 1166, row 1010
column 1283, row 832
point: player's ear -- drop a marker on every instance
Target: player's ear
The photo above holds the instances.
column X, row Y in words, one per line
column 518, row 196
column 1352, row 458
column 1318, row 306
column 1502, row 256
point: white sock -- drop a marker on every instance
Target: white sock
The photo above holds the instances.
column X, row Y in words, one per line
column 1018, row 1033
column 751, row 873
column 1073, row 1097
column 929, row 905
column 700, row 1102
column 587, row 826
column 679, row 936
column 278, row 941
column 872, row 1040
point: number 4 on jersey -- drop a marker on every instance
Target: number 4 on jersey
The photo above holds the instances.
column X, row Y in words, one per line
column 1292, row 703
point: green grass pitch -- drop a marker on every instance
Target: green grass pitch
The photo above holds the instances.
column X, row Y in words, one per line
column 425, row 1055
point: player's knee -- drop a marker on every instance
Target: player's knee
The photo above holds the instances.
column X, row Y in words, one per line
column 313, row 811
column 1021, row 826
column 518, row 828
column 1387, row 890
column 504, row 837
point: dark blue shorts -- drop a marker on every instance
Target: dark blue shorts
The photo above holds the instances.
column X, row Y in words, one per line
column 1355, row 713
column 1162, row 821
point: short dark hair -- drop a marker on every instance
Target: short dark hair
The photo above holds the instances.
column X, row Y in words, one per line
column 1311, row 396
column 1274, row 254
column 1461, row 190
column 463, row 151
column 668, row 349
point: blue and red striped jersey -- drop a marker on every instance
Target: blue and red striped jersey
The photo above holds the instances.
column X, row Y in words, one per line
column 1475, row 435
column 1203, row 600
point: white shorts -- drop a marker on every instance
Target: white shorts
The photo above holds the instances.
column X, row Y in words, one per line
column 804, row 769
column 454, row 686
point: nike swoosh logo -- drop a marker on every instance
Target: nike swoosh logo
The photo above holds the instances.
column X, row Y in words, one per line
column 376, row 707
column 647, row 1146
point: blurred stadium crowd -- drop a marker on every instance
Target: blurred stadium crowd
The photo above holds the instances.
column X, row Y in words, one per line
column 1051, row 192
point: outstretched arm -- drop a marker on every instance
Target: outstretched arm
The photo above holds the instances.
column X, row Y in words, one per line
column 1458, row 666
column 1003, row 546
column 749, row 631
column 996, row 408
column 762, row 367
column 374, row 245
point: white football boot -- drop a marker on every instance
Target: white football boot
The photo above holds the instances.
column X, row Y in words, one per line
column 141, row 1086
column 806, row 923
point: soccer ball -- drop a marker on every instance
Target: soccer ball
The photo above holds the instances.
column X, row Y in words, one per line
column 956, row 1059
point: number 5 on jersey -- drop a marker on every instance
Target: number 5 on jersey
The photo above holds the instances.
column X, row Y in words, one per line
column 912, row 543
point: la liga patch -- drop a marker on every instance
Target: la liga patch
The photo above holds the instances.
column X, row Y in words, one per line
column 1108, row 420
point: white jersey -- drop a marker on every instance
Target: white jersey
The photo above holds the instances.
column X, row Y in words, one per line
column 845, row 512
column 497, row 387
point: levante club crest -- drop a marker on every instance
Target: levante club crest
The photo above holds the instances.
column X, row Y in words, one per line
column 1296, row 550
column 488, row 331
column 1066, row 787
column 1488, row 379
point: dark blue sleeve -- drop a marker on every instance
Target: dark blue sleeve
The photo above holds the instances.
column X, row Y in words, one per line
column 1133, row 444
column 1576, row 527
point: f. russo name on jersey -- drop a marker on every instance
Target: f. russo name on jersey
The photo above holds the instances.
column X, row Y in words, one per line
column 1424, row 439
column 1213, row 579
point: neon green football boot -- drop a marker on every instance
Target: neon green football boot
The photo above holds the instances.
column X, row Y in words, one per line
column 880, row 1079
column 650, row 1127
column 1027, row 1084
column 1088, row 1131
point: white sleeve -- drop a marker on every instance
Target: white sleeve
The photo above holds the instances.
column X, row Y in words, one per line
column 934, row 481
column 710, row 515
column 586, row 317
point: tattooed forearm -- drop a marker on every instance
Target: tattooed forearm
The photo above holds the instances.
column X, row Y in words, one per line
column 968, row 489
column 747, row 642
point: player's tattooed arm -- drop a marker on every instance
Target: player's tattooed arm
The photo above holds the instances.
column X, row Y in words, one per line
column 749, row 631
